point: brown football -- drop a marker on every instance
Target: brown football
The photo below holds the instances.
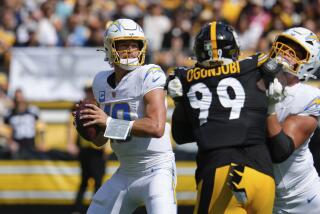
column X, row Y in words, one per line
column 89, row 132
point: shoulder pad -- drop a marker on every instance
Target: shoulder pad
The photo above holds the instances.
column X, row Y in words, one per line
column 149, row 67
column 105, row 73
column 178, row 71
column 249, row 63
column 100, row 78
column 146, row 70
column 181, row 68
column 312, row 107
column 262, row 58
column 102, row 75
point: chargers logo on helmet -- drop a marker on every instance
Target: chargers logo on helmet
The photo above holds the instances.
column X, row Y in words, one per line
column 312, row 37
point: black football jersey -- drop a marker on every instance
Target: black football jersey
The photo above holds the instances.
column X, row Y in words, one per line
column 224, row 105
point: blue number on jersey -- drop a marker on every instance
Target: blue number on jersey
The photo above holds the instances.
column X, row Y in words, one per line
column 118, row 107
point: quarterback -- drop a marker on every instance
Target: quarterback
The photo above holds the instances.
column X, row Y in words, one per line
column 292, row 122
column 132, row 115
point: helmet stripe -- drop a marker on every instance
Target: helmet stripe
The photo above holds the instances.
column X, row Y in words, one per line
column 213, row 36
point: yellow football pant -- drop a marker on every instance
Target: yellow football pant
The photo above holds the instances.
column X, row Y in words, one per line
column 235, row 189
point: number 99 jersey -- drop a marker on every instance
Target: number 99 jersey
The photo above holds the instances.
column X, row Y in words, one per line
column 224, row 105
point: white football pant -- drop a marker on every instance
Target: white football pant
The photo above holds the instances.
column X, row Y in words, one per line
column 123, row 193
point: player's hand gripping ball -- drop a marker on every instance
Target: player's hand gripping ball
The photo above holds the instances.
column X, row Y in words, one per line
column 87, row 132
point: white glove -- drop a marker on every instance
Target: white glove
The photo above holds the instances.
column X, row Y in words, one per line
column 275, row 94
column 175, row 88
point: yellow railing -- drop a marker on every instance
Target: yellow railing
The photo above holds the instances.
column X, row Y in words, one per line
column 56, row 182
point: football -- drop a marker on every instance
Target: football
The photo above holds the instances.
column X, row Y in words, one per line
column 89, row 132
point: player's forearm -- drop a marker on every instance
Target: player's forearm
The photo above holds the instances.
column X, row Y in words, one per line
column 273, row 125
column 280, row 145
column 147, row 127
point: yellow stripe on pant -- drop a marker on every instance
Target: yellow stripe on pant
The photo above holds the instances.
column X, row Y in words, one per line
column 255, row 188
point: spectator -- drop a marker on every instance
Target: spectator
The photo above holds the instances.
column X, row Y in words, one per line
column 180, row 29
column 25, row 124
column 154, row 32
column 5, row 106
column 252, row 22
column 78, row 33
column 7, row 36
column 287, row 12
column 5, row 102
column 47, row 34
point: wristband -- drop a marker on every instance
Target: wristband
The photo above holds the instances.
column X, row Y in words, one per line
column 272, row 109
column 117, row 129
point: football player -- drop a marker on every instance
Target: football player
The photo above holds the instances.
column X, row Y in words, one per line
column 132, row 115
column 292, row 123
column 219, row 105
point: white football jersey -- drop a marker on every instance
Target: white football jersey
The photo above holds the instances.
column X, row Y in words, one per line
column 125, row 101
column 297, row 173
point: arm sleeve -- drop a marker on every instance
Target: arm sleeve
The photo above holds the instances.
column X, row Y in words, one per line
column 182, row 131
column 280, row 147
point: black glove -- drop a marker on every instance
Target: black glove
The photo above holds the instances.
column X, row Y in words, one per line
column 269, row 70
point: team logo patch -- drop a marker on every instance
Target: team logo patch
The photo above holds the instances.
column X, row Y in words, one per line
column 314, row 103
column 102, row 96
column 312, row 38
column 117, row 24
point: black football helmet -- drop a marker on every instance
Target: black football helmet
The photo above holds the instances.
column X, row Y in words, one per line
column 216, row 44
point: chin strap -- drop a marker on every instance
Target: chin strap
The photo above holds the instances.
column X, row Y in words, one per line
column 129, row 64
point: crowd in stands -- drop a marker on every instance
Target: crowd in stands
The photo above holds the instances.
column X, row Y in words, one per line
column 169, row 25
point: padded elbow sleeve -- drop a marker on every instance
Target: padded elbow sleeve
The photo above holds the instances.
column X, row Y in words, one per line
column 281, row 146
column 181, row 128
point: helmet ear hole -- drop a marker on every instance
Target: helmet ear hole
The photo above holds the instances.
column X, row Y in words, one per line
column 310, row 42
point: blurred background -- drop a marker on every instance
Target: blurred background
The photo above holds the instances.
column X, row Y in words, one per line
column 48, row 57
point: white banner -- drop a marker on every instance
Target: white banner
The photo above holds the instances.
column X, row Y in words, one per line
column 54, row 74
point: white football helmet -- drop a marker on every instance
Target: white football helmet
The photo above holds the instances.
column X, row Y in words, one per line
column 124, row 29
column 298, row 49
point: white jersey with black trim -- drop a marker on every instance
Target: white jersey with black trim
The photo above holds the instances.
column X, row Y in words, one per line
column 297, row 173
column 125, row 101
